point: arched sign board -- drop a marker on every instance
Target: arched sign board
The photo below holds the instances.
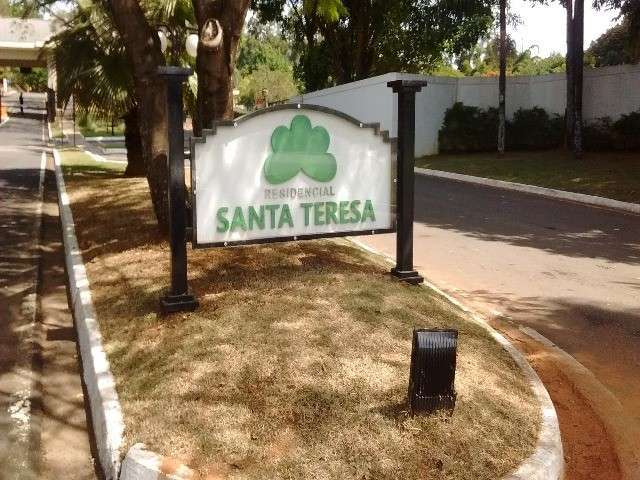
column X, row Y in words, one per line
column 291, row 172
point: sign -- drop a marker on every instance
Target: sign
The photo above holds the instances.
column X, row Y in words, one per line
column 291, row 172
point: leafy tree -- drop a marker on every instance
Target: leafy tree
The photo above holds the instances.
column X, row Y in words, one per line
column 483, row 60
column 527, row 64
column 22, row 9
column 278, row 83
column 630, row 14
column 263, row 63
column 614, row 47
column 265, row 50
column 338, row 41
column 220, row 24
column 92, row 67
column 34, row 80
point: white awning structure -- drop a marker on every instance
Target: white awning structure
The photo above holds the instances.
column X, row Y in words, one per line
column 22, row 41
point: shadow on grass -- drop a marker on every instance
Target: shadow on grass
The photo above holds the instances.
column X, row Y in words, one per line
column 296, row 361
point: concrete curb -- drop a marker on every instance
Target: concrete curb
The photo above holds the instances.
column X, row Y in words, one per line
column 143, row 464
column 105, row 139
column 547, row 461
column 100, row 158
column 532, row 189
column 106, row 414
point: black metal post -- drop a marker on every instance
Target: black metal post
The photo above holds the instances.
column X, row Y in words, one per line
column 73, row 99
column 51, row 104
column 406, row 90
column 178, row 299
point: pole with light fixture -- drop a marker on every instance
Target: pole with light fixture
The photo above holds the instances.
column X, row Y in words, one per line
column 178, row 298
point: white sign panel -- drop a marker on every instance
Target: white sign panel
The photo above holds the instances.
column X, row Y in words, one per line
column 291, row 172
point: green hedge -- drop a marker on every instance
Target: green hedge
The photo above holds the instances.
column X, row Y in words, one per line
column 468, row 129
column 534, row 129
column 475, row 129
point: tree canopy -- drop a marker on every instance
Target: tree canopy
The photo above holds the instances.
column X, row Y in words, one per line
column 484, row 60
column 621, row 43
column 338, row 41
column 92, row 65
column 264, row 63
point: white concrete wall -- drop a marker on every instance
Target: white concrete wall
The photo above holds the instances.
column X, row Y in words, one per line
column 608, row 91
column 367, row 100
column 611, row 91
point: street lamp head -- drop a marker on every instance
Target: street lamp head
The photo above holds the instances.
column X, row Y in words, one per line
column 211, row 34
column 191, row 44
column 163, row 41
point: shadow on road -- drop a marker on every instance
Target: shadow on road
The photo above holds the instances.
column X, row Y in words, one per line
column 526, row 220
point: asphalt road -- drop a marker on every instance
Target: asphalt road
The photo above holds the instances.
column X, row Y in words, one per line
column 21, row 144
column 571, row 272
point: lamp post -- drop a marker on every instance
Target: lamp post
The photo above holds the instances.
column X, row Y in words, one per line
column 178, row 298
column 406, row 91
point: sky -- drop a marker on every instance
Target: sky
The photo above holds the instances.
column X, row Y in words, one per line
column 545, row 26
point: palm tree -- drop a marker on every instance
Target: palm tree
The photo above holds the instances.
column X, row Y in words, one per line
column 92, row 67
column 502, row 81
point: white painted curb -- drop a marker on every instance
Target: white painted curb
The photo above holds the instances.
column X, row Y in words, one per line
column 143, row 464
column 106, row 414
column 547, row 461
column 542, row 191
column 104, row 139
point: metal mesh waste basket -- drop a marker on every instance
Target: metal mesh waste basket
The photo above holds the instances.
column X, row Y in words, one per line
column 433, row 370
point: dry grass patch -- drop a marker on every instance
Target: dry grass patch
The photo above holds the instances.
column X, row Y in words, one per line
column 296, row 363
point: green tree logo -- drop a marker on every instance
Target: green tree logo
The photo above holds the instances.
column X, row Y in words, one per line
column 300, row 148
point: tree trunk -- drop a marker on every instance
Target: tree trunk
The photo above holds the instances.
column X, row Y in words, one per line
column 133, row 142
column 215, row 65
column 502, row 83
column 570, row 107
column 578, row 72
column 143, row 49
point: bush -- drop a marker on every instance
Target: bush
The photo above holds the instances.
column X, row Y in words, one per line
column 627, row 128
column 474, row 129
column 534, row 129
column 597, row 135
column 468, row 129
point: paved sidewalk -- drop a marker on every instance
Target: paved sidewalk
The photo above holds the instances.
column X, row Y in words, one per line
column 21, row 147
column 65, row 450
column 43, row 426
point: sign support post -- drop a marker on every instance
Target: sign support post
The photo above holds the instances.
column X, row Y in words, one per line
column 178, row 299
column 406, row 90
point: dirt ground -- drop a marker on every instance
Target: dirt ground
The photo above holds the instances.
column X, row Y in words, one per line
column 588, row 451
column 65, row 438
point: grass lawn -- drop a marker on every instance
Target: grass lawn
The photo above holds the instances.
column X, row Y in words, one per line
column 611, row 174
column 56, row 132
column 101, row 129
column 296, row 363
